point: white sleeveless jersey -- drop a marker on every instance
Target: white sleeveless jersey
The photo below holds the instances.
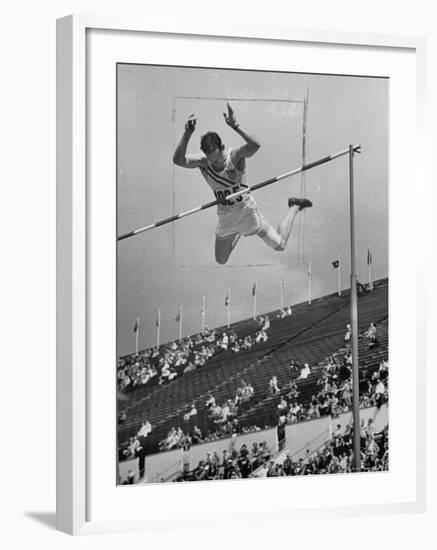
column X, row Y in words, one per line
column 227, row 181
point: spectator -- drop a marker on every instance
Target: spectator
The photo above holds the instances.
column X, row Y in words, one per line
column 346, row 393
column 293, row 414
column 192, row 412
column 371, row 336
column 210, row 402
column 196, row 435
column 145, row 429
column 294, row 392
column 130, row 477
column 294, row 366
column 281, row 314
column 379, row 393
column 283, row 405
column 273, row 386
column 305, row 372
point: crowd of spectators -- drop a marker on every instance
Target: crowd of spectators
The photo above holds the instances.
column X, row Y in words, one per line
column 284, row 312
column 178, row 439
column 336, row 455
column 224, row 419
column 335, row 391
column 176, row 358
column 333, row 397
column 335, row 385
column 231, row 464
column 231, row 408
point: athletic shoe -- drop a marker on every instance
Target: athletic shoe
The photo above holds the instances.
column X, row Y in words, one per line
column 301, row 203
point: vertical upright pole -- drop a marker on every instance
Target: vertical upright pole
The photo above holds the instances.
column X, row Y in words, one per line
column 203, row 313
column 369, row 265
column 137, row 335
column 310, row 278
column 354, row 319
column 339, row 276
column 255, row 290
column 301, row 221
column 229, row 306
column 180, row 322
column 282, row 291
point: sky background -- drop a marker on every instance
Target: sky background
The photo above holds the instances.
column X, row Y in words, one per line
column 174, row 265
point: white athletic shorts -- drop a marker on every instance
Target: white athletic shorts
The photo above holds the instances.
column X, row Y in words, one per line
column 244, row 218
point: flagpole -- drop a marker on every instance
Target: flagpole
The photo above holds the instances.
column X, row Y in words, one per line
column 180, row 322
column 254, row 299
column 282, row 292
column 137, row 334
column 310, row 276
column 369, row 265
column 203, row 313
column 229, row 306
column 354, row 319
column 158, row 328
column 339, row 276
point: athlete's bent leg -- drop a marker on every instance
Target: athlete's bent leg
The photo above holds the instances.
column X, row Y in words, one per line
column 278, row 239
column 224, row 246
column 269, row 235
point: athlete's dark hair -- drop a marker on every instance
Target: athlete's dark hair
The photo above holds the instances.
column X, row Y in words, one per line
column 211, row 141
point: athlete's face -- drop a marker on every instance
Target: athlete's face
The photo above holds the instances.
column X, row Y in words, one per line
column 216, row 156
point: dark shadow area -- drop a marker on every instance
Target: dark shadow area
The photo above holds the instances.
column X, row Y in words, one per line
column 46, row 518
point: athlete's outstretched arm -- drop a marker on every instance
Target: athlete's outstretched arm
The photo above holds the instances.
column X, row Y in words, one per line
column 180, row 157
column 252, row 143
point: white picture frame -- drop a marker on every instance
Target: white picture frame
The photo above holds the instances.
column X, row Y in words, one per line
column 73, row 340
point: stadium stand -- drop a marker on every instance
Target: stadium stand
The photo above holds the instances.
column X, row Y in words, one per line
column 313, row 334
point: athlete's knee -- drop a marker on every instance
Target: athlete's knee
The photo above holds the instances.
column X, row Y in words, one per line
column 280, row 247
column 221, row 258
column 271, row 237
column 222, row 254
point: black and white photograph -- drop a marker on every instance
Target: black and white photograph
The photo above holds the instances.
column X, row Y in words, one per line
column 252, row 274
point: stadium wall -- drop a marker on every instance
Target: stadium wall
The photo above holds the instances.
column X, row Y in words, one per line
column 307, row 435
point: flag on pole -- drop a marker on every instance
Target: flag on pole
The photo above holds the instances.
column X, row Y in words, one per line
column 202, row 313
column 369, row 268
column 228, row 306
column 158, row 328
column 254, row 288
column 178, row 319
column 336, row 265
column 137, row 333
column 309, row 273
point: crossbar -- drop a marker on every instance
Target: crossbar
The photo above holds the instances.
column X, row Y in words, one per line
column 264, row 183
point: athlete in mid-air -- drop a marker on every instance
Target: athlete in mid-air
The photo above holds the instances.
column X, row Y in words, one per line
column 224, row 169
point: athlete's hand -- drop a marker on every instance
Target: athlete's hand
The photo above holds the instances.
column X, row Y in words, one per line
column 190, row 125
column 230, row 117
